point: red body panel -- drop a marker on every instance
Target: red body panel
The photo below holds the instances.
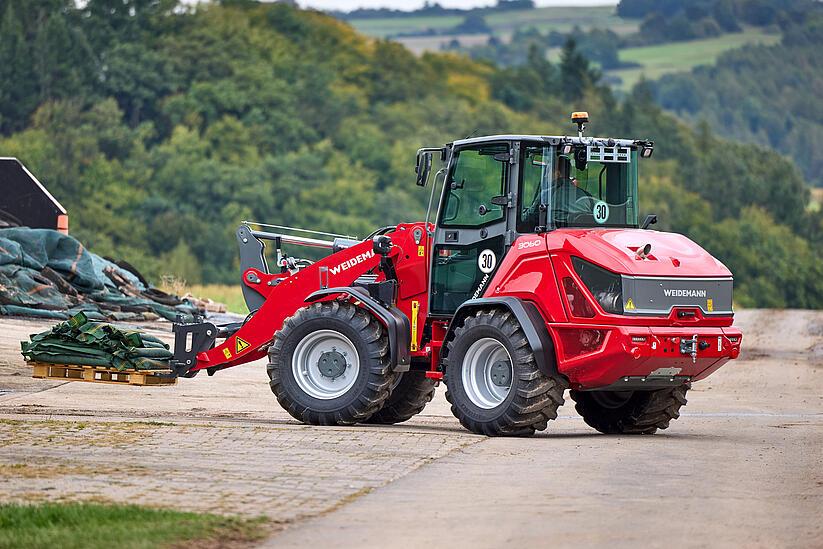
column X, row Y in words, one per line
column 535, row 264
column 615, row 250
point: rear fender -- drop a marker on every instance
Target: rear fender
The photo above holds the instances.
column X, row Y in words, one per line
column 529, row 318
column 396, row 323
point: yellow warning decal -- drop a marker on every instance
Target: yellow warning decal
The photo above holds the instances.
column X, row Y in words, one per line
column 710, row 305
column 630, row 305
column 227, row 353
column 421, row 251
column 415, row 311
column 240, row 345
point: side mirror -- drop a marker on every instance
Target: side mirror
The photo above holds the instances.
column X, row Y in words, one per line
column 651, row 219
column 423, row 167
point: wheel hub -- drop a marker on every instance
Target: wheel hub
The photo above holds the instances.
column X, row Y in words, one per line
column 487, row 373
column 501, row 373
column 332, row 364
column 325, row 364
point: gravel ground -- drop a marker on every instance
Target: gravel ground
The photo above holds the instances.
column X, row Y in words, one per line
column 743, row 466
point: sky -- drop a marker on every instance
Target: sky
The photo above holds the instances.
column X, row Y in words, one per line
column 346, row 5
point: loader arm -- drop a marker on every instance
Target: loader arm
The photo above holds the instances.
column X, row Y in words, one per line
column 283, row 296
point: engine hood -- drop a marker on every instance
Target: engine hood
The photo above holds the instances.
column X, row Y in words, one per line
column 671, row 255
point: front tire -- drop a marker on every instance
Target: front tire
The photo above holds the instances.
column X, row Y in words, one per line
column 329, row 364
column 492, row 379
column 630, row 412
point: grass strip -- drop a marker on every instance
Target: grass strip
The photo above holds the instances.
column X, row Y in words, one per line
column 97, row 525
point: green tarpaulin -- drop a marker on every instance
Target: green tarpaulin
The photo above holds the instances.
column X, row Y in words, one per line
column 47, row 274
column 80, row 341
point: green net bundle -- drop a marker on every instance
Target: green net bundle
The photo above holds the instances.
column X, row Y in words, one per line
column 46, row 274
column 80, row 341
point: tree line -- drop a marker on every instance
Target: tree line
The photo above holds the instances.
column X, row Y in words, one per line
column 161, row 126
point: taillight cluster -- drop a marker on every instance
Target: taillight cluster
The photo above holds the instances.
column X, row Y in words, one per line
column 577, row 341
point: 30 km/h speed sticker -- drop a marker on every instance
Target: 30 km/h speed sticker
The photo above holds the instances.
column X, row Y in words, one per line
column 601, row 211
column 486, row 261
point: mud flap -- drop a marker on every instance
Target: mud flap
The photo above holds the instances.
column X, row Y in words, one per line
column 530, row 320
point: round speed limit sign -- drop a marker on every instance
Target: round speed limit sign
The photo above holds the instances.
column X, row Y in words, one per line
column 601, row 211
column 486, row 261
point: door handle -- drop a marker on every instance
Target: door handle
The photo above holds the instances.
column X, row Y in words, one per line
column 452, row 236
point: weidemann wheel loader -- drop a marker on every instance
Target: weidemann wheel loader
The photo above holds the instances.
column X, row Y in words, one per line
column 534, row 278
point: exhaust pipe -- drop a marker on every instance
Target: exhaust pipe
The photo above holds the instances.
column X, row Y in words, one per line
column 643, row 252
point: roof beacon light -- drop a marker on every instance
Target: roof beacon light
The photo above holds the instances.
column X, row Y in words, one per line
column 580, row 118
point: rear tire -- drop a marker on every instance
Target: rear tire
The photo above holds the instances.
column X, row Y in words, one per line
column 408, row 399
column 329, row 364
column 630, row 412
column 488, row 351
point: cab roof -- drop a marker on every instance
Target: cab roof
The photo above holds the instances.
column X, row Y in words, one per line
column 554, row 140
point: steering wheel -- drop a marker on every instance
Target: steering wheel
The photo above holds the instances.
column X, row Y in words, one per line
column 582, row 208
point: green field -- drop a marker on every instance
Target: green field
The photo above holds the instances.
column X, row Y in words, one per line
column 683, row 56
column 94, row 525
column 544, row 19
column 231, row 295
column 655, row 60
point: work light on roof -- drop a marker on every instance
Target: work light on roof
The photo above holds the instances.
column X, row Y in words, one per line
column 581, row 118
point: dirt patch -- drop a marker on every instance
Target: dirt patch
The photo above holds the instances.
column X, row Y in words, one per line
column 73, row 433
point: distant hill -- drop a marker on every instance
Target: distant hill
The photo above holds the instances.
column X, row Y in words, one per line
column 768, row 95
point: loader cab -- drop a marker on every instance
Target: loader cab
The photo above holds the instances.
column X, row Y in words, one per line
column 500, row 187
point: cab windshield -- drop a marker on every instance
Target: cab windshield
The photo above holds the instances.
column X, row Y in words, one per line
column 592, row 186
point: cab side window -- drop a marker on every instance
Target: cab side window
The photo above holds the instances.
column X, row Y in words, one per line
column 477, row 177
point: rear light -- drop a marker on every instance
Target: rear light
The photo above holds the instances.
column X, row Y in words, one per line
column 582, row 341
column 578, row 303
column 605, row 286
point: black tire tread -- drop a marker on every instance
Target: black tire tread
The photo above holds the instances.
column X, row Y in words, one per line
column 407, row 400
column 644, row 414
column 537, row 396
column 380, row 376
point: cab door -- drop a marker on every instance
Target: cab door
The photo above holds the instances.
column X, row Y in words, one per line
column 471, row 234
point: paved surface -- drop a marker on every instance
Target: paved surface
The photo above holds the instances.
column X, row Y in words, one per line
column 743, row 465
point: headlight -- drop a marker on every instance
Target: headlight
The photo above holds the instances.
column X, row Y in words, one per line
column 605, row 286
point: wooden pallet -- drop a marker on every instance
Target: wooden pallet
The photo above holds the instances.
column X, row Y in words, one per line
column 96, row 374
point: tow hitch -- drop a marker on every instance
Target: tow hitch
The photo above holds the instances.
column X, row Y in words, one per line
column 691, row 346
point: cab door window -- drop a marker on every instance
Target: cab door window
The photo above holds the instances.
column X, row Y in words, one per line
column 476, row 179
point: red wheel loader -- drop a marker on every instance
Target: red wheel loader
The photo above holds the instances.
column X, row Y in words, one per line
column 535, row 277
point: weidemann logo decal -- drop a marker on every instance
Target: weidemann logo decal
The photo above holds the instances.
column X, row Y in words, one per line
column 348, row 264
column 684, row 293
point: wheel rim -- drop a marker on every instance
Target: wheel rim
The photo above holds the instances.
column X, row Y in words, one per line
column 325, row 364
column 487, row 373
column 612, row 399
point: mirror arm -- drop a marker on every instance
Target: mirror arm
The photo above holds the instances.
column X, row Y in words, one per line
column 441, row 171
column 651, row 219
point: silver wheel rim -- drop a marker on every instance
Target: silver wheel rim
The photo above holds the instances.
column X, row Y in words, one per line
column 484, row 371
column 306, row 360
